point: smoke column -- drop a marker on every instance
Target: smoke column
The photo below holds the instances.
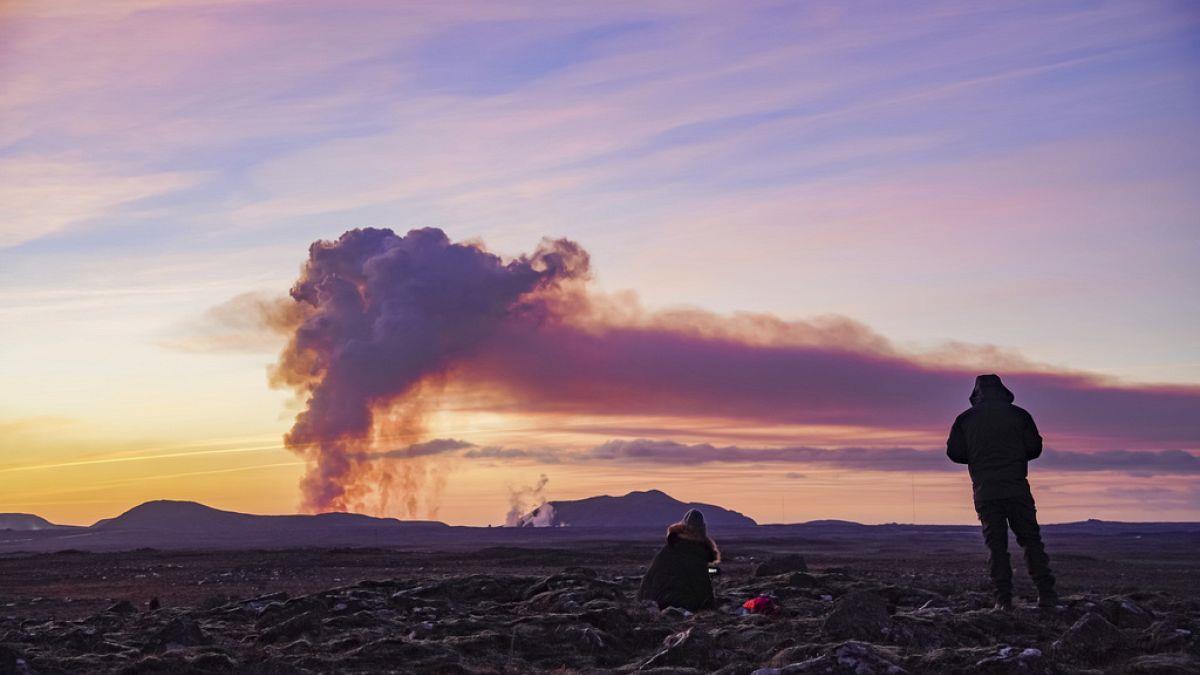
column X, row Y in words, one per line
column 383, row 315
column 378, row 324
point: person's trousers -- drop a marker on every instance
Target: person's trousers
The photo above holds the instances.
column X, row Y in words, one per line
column 1020, row 514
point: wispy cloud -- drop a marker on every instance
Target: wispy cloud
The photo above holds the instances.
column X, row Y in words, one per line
column 648, row 452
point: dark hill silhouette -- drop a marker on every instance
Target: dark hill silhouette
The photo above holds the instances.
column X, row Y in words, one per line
column 26, row 522
column 191, row 517
column 652, row 508
column 635, row 517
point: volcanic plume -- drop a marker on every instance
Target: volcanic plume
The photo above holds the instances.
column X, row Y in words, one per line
column 384, row 315
column 384, row 322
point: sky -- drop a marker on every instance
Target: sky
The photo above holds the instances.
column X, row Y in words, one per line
column 809, row 224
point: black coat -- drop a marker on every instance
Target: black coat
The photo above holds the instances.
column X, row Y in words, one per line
column 996, row 440
column 678, row 576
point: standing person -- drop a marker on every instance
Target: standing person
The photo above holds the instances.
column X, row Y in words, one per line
column 996, row 440
column 678, row 576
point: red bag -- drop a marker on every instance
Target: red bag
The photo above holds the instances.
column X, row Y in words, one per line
column 763, row 604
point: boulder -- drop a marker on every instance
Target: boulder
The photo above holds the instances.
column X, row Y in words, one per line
column 1089, row 640
column 858, row 615
column 1125, row 613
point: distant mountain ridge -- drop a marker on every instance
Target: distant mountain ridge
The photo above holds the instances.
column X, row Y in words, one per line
column 181, row 516
column 26, row 522
column 634, row 517
column 651, row 508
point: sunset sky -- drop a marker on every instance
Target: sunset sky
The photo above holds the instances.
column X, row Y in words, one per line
column 809, row 225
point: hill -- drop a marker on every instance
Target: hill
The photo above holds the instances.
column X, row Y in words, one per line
column 25, row 522
column 649, row 509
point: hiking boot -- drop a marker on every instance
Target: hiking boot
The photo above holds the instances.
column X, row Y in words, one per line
column 1048, row 600
column 1003, row 605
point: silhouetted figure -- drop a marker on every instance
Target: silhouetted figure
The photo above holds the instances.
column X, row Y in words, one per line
column 996, row 440
column 678, row 576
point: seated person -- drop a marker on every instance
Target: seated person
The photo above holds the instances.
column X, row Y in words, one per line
column 678, row 576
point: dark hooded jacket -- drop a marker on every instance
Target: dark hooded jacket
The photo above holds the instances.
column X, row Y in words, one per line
column 996, row 440
column 678, row 576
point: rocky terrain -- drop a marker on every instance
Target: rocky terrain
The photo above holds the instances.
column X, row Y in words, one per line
column 870, row 609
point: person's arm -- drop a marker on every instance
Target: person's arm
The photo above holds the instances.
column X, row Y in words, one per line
column 1031, row 438
column 956, row 445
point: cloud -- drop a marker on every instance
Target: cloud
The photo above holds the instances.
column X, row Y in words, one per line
column 41, row 196
column 248, row 322
column 643, row 451
column 436, row 446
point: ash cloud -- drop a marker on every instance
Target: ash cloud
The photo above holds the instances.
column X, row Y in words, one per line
column 828, row 377
column 378, row 323
column 383, row 315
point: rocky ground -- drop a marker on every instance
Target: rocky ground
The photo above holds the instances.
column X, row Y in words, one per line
column 515, row 610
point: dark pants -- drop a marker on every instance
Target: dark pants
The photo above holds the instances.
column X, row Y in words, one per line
column 1019, row 513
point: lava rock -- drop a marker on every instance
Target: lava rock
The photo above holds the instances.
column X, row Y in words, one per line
column 802, row 580
column 1163, row 664
column 782, row 564
column 182, row 631
column 1014, row 660
column 290, row 629
column 13, row 662
column 1089, row 640
column 1125, row 613
column 691, row 648
column 858, row 615
column 122, row 607
column 848, row 658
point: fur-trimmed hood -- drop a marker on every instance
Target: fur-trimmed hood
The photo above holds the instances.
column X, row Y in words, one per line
column 681, row 532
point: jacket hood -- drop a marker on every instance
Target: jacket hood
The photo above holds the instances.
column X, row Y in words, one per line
column 990, row 388
column 679, row 531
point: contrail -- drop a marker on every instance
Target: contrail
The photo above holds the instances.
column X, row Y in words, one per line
column 116, row 460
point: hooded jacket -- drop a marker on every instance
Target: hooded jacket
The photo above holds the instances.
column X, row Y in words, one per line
column 996, row 440
column 678, row 576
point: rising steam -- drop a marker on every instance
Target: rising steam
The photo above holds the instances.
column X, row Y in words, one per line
column 383, row 316
column 530, row 500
